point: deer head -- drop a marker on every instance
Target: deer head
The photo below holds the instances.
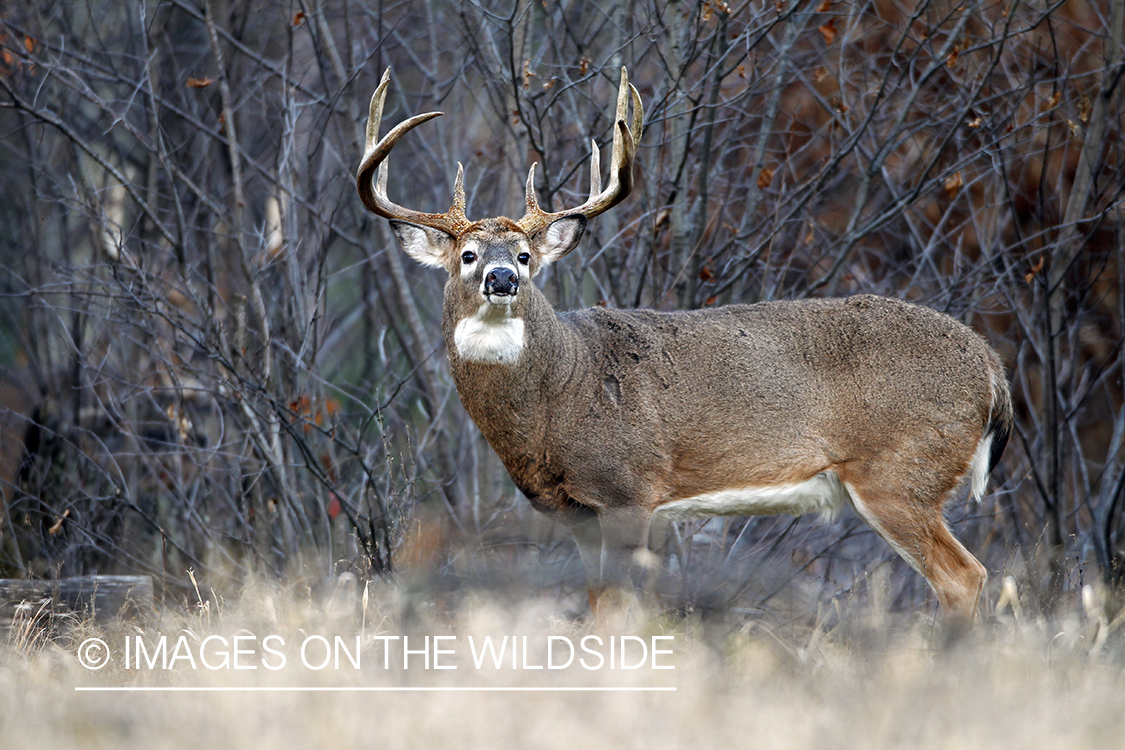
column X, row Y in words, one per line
column 492, row 260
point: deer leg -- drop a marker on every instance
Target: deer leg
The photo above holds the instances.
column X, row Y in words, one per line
column 916, row 530
column 610, row 545
column 624, row 545
column 587, row 533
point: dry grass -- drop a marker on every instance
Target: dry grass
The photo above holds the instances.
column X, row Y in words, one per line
column 874, row 681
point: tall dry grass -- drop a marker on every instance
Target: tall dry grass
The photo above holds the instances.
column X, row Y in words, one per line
column 872, row 680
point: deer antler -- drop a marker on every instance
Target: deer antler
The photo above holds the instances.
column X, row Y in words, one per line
column 620, row 170
column 375, row 154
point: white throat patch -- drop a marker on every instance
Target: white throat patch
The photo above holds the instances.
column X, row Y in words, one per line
column 492, row 336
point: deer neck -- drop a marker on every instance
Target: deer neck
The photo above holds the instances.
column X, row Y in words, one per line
column 504, row 396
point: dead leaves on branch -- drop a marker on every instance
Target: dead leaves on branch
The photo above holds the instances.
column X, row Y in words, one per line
column 828, row 28
column 10, row 61
column 828, row 31
column 953, row 184
column 765, row 178
column 710, row 7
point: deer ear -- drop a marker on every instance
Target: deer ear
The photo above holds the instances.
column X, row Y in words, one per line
column 559, row 238
column 430, row 247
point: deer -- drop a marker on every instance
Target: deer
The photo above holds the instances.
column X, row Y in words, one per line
column 606, row 418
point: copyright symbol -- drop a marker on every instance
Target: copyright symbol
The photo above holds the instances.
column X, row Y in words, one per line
column 93, row 653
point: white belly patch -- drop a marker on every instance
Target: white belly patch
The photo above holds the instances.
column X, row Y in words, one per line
column 497, row 341
column 823, row 493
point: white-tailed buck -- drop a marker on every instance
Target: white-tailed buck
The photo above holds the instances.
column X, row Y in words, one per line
column 604, row 417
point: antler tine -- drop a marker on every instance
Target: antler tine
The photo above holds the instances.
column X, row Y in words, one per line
column 620, row 116
column 595, row 169
column 638, row 113
column 620, row 172
column 374, row 196
column 375, row 115
column 459, row 188
column 529, row 192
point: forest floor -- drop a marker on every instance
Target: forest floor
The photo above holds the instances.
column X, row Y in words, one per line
column 272, row 669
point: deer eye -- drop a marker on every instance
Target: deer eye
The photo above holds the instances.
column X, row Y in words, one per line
column 468, row 257
column 524, row 258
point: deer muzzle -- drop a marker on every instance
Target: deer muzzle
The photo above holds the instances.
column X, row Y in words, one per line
column 501, row 284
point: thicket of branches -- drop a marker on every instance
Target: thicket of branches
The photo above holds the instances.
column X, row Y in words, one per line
column 215, row 359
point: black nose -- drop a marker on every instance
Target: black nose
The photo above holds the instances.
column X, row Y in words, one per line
column 501, row 280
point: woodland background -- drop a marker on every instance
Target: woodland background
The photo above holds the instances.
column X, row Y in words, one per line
column 214, row 359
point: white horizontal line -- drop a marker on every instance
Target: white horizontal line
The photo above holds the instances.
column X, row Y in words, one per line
column 470, row 689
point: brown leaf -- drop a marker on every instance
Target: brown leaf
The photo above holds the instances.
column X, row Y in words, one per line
column 705, row 274
column 951, row 61
column 1054, row 101
column 765, row 178
column 328, row 464
column 199, row 83
column 953, row 184
column 823, row 7
column 828, row 31
column 1035, row 269
column 710, row 6
column 29, row 43
column 710, row 301
column 299, row 18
